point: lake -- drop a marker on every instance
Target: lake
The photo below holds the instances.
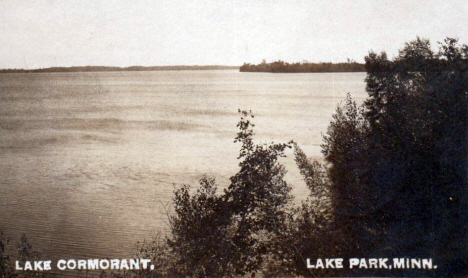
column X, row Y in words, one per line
column 89, row 160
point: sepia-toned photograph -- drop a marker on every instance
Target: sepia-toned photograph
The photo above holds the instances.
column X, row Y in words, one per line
column 320, row 138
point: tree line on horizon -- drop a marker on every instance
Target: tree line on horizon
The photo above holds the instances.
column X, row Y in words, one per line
column 393, row 185
column 106, row 68
column 284, row 67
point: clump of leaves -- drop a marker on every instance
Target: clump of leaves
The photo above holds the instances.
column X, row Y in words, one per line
column 230, row 234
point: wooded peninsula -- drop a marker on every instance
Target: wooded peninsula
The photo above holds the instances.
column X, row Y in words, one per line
column 284, row 67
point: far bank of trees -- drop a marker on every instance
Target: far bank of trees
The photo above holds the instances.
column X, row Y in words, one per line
column 284, row 67
column 105, row 68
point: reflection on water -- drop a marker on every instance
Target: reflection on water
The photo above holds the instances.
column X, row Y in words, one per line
column 88, row 160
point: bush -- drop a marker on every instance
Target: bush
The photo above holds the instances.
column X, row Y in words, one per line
column 231, row 234
column 308, row 230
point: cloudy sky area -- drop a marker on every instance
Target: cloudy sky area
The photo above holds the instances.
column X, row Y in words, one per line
column 36, row 34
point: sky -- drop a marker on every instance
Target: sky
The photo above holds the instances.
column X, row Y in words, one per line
column 46, row 33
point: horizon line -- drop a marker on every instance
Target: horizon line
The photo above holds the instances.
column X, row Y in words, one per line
column 105, row 66
column 136, row 67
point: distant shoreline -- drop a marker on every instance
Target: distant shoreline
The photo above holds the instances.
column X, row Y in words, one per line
column 108, row 69
column 304, row 67
column 275, row 67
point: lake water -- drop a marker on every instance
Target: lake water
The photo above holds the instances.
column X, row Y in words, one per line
column 88, row 160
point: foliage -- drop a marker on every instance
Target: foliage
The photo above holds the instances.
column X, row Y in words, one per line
column 230, row 234
column 200, row 232
column 24, row 252
column 281, row 66
column 346, row 150
column 316, row 178
column 257, row 197
column 309, row 228
column 398, row 165
column 6, row 269
column 157, row 250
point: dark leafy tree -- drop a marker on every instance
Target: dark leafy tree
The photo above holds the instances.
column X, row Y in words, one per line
column 6, row 267
column 398, row 166
column 346, row 150
column 200, row 237
column 257, row 197
column 24, row 252
column 309, row 230
column 232, row 234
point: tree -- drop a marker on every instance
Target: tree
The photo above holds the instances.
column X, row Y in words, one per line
column 232, row 234
column 257, row 197
column 309, row 229
column 346, row 150
column 200, row 237
column 24, row 252
column 400, row 161
column 6, row 268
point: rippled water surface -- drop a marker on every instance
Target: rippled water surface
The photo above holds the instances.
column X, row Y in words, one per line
column 88, row 160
